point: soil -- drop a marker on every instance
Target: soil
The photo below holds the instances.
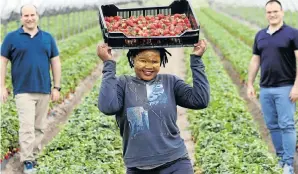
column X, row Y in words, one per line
column 176, row 66
column 253, row 105
column 238, row 18
column 59, row 116
column 242, row 87
column 60, row 113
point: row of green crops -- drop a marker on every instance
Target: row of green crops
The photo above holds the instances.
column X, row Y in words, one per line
column 237, row 52
column 257, row 15
column 90, row 141
column 244, row 33
column 78, row 59
column 68, row 47
column 226, row 137
column 60, row 26
column 228, row 40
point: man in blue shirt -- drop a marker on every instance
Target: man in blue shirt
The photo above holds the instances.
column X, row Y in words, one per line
column 32, row 52
column 276, row 52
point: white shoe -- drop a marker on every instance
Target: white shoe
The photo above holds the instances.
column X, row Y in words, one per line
column 288, row 169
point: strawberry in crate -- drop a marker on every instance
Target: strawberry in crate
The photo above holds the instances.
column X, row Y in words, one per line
column 145, row 26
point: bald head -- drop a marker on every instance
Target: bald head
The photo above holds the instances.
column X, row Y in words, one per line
column 29, row 17
column 28, row 7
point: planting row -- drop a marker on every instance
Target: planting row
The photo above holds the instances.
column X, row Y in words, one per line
column 226, row 137
column 78, row 61
column 60, row 26
column 243, row 32
column 257, row 15
column 90, row 142
column 228, row 41
column 237, row 52
column 68, row 48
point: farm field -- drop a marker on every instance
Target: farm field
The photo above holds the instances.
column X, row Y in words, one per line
column 256, row 15
column 229, row 137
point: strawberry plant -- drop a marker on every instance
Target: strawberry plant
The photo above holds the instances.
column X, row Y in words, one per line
column 57, row 25
column 71, row 52
column 226, row 137
column 257, row 15
column 90, row 141
column 244, row 33
column 238, row 53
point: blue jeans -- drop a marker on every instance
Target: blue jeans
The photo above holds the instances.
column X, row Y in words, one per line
column 182, row 166
column 279, row 111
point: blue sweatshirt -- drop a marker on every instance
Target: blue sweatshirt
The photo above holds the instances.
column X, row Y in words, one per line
column 146, row 111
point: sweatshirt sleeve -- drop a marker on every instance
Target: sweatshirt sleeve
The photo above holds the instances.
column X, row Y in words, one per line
column 196, row 97
column 110, row 100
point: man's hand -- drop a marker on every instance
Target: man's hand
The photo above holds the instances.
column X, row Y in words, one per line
column 251, row 92
column 294, row 94
column 104, row 52
column 200, row 48
column 55, row 95
column 4, row 94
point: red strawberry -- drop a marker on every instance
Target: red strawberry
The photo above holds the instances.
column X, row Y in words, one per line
column 166, row 31
column 117, row 18
column 159, row 25
column 161, row 16
column 6, row 156
column 148, row 17
column 130, row 23
column 172, row 33
column 177, row 15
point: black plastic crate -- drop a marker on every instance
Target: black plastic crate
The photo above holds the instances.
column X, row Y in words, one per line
column 117, row 40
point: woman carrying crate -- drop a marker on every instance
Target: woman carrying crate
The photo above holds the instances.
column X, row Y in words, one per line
column 145, row 106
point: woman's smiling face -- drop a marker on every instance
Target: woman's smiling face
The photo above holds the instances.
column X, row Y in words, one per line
column 147, row 64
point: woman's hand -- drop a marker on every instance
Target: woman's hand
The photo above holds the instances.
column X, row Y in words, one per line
column 200, row 48
column 104, row 52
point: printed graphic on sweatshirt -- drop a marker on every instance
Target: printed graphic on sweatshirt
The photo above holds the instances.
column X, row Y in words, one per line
column 138, row 120
column 155, row 94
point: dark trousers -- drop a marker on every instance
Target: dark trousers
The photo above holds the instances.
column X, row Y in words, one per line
column 180, row 166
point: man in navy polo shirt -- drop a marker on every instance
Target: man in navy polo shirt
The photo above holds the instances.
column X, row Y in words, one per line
column 275, row 50
column 32, row 52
